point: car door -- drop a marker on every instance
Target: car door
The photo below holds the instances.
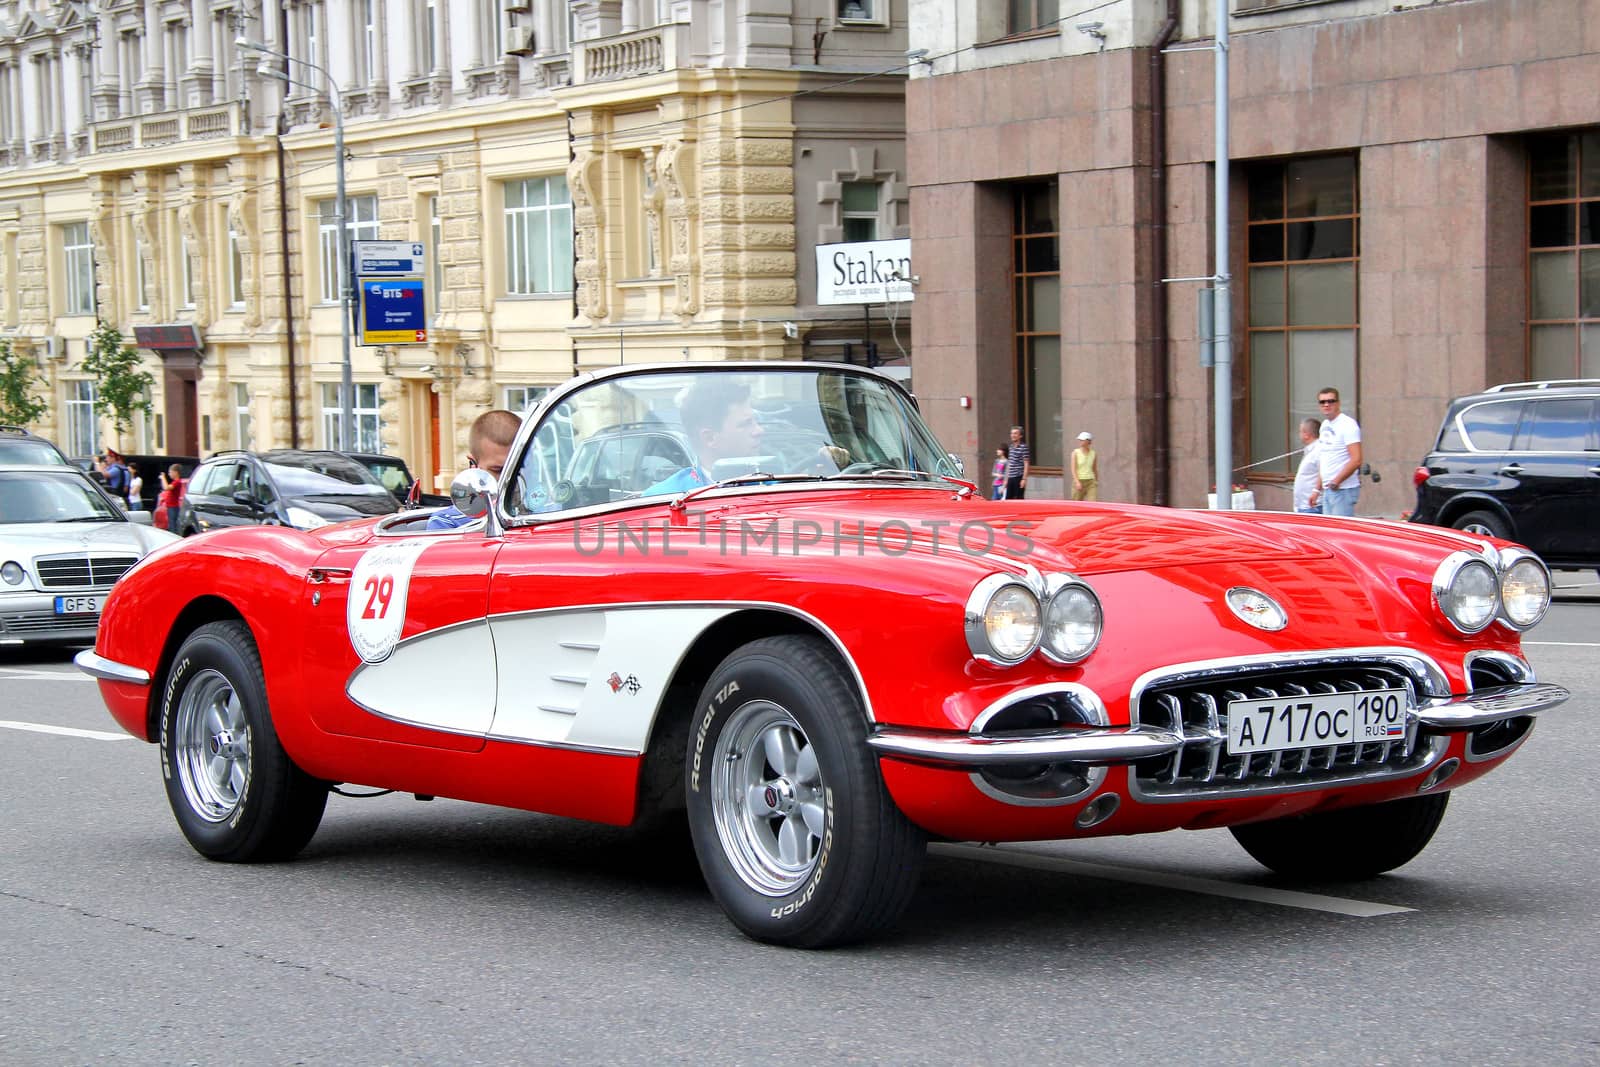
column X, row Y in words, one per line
column 210, row 496
column 398, row 647
column 1556, row 459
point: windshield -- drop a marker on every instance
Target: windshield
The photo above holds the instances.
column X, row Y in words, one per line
column 31, row 451
column 35, row 496
column 320, row 474
column 659, row 434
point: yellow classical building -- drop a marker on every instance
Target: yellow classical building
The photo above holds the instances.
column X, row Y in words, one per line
column 593, row 182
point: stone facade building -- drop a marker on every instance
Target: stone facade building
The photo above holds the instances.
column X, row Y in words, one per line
column 1415, row 214
column 594, row 181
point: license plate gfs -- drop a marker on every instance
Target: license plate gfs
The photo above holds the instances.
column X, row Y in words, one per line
column 1320, row 720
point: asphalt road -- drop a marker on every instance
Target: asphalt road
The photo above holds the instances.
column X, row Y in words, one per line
column 413, row 933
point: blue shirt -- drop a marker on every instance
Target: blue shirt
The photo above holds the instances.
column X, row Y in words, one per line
column 686, row 479
column 451, row 518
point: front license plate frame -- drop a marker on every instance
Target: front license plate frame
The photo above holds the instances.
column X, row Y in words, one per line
column 1316, row 720
column 79, row 605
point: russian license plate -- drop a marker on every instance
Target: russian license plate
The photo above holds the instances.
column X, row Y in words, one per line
column 79, row 605
column 1316, row 721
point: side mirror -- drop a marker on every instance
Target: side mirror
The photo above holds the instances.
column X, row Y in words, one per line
column 241, row 496
column 474, row 492
column 141, row 518
column 955, row 461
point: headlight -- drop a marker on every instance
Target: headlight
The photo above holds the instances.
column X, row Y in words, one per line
column 1524, row 589
column 13, row 574
column 1467, row 591
column 301, row 519
column 1002, row 620
column 1072, row 619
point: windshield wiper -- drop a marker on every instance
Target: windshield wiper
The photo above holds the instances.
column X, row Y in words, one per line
column 754, row 478
column 902, row 474
column 91, row 518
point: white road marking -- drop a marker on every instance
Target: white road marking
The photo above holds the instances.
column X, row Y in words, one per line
column 45, row 676
column 64, row 731
column 1565, row 644
column 1287, row 898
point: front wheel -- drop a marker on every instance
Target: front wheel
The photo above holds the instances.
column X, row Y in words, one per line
column 796, row 835
column 1347, row 845
column 235, row 792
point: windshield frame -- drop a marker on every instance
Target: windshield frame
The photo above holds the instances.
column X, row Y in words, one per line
column 536, row 419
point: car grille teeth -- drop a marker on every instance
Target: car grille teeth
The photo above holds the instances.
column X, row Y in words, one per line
column 82, row 572
column 1197, row 710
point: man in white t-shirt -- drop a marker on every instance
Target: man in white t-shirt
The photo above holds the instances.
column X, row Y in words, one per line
column 1339, row 457
column 1309, row 476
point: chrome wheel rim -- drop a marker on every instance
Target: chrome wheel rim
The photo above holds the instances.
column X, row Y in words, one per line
column 212, row 746
column 1478, row 529
column 767, row 798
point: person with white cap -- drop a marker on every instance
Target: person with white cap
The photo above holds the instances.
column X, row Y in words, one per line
column 1085, row 469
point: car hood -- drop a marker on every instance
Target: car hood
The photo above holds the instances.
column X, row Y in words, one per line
column 1049, row 535
column 50, row 538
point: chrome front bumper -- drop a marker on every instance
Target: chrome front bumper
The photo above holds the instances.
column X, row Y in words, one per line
column 1100, row 746
column 112, row 671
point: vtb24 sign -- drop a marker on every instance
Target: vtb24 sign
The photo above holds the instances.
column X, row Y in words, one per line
column 867, row 272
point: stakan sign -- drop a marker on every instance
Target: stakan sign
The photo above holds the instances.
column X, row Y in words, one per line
column 867, row 272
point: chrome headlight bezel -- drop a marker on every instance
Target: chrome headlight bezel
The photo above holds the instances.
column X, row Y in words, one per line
column 1062, row 590
column 1520, row 559
column 1447, row 590
column 978, row 619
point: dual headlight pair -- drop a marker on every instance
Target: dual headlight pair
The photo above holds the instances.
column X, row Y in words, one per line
column 1473, row 590
column 1009, row 618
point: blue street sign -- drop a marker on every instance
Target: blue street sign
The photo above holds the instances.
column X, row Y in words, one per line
column 394, row 311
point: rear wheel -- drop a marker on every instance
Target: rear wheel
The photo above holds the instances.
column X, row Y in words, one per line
column 1484, row 524
column 796, row 835
column 1346, row 845
column 236, row 794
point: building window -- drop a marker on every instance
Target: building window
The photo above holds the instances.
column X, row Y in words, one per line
column 141, row 276
column 368, row 36
column 365, row 412
column 435, row 242
column 1036, row 272
column 1026, row 16
column 858, row 209
column 524, row 398
column 1564, row 256
column 1302, row 241
column 176, row 40
column 859, row 10
column 428, row 37
column 492, row 28
column 185, row 273
column 362, row 225
column 83, row 429
column 235, row 267
column 77, row 253
column 538, row 236
column 243, row 436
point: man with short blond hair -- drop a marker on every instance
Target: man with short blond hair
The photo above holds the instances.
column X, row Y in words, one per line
column 488, row 444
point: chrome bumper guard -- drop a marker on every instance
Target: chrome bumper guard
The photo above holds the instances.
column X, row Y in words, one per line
column 1121, row 744
column 110, row 670
column 1116, row 744
column 1490, row 706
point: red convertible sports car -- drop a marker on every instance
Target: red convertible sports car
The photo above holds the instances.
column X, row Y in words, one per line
column 763, row 595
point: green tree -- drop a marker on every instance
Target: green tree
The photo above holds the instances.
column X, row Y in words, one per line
column 19, row 377
column 122, row 389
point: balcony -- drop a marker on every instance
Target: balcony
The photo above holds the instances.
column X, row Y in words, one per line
column 629, row 55
column 168, row 127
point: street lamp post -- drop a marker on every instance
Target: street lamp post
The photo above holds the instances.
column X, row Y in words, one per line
column 347, row 428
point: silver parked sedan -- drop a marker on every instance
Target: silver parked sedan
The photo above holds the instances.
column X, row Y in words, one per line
column 63, row 543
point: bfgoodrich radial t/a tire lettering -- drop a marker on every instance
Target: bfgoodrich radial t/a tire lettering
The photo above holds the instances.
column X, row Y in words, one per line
column 795, row 832
column 236, row 794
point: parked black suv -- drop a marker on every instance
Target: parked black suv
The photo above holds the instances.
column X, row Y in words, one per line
column 1522, row 462
column 284, row 487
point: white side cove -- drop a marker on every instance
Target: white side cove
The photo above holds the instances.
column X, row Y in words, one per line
column 592, row 678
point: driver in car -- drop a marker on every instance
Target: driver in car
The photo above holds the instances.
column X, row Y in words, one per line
column 720, row 423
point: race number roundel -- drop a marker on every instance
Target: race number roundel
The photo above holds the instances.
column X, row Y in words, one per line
column 376, row 611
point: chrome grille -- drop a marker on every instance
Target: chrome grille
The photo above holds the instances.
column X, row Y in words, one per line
column 1196, row 707
column 82, row 572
